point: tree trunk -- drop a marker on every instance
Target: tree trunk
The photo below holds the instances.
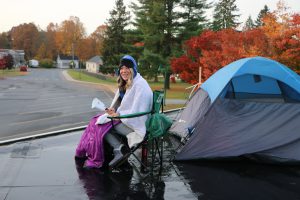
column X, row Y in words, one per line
column 167, row 80
column 155, row 79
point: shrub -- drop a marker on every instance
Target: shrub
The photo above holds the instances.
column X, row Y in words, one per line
column 46, row 63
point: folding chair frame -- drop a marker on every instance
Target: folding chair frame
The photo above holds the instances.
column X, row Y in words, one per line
column 157, row 106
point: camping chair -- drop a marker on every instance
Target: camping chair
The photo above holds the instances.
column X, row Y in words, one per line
column 156, row 126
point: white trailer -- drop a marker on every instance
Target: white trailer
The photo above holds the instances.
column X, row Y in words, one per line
column 33, row 63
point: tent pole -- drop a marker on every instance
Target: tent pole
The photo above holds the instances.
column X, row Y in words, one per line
column 200, row 69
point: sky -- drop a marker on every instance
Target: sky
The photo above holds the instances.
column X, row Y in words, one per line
column 93, row 13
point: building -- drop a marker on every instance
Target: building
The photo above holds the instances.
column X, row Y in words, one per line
column 93, row 64
column 65, row 62
column 18, row 56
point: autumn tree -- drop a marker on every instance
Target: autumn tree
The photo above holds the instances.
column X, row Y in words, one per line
column 212, row 50
column 224, row 15
column 286, row 44
column 68, row 34
column 98, row 36
column 26, row 37
column 188, row 65
column 50, row 41
column 42, row 52
column 88, row 48
column 9, row 61
column 279, row 30
column 256, row 43
column 113, row 44
column 277, row 38
column 2, row 63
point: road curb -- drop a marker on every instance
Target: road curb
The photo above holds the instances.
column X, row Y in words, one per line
column 42, row 135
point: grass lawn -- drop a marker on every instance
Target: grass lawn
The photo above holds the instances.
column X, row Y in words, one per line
column 77, row 75
column 177, row 90
column 11, row 72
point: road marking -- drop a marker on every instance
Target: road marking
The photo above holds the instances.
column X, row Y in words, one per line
column 50, row 109
column 31, row 121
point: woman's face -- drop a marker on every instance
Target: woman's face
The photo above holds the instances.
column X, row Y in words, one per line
column 125, row 73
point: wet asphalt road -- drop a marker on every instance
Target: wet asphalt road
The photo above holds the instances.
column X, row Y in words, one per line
column 43, row 101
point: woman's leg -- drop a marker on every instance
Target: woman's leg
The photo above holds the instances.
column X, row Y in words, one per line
column 122, row 129
column 116, row 143
column 112, row 139
column 119, row 129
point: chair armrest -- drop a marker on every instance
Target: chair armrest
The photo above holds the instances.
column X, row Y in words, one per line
column 130, row 115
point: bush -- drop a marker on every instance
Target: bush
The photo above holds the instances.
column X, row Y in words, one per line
column 46, row 63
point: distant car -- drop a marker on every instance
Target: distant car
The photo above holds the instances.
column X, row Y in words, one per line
column 23, row 68
column 33, row 63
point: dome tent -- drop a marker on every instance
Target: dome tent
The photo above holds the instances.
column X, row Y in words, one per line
column 249, row 107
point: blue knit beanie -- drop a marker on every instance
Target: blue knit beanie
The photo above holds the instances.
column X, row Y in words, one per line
column 129, row 62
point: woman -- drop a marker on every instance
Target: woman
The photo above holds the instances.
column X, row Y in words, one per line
column 133, row 95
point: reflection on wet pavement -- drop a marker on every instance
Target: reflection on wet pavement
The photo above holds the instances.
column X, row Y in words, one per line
column 46, row 169
column 196, row 180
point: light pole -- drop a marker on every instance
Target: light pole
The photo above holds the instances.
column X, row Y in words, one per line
column 73, row 53
column 79, row 69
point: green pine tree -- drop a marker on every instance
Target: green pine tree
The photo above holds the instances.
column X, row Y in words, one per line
column 261, row 15
column 224, row 15
column 192, row 17
column 114, row 41
column 5, row 41
column 156, row 21
column 249, row 24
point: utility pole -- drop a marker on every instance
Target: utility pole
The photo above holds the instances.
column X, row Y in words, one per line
column 73, row 64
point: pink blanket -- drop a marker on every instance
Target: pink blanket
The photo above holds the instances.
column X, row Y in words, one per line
column 91, row 143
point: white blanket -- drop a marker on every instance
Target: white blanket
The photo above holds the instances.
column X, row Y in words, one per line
column 138, row 98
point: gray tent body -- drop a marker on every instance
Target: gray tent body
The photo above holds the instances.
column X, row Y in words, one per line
column 257, row 125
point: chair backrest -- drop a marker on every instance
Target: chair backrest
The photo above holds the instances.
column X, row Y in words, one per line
column 158, row 97
column 158, row 123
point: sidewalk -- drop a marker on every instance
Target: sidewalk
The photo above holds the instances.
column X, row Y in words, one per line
column 175, row 101
column 108, row 88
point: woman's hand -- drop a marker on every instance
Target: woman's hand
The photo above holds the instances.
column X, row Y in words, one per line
column 114, row 114
column 110, row 111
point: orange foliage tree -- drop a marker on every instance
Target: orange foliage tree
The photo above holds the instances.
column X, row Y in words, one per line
column 98, row 36
column 87, row 48
column 213, row 50
column 286, row 44
column 68, row 34
column 278, row 39
column 26, row 37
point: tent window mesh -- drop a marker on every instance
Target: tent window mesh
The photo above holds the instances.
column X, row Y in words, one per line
column 288, row 95
column 256, row 78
